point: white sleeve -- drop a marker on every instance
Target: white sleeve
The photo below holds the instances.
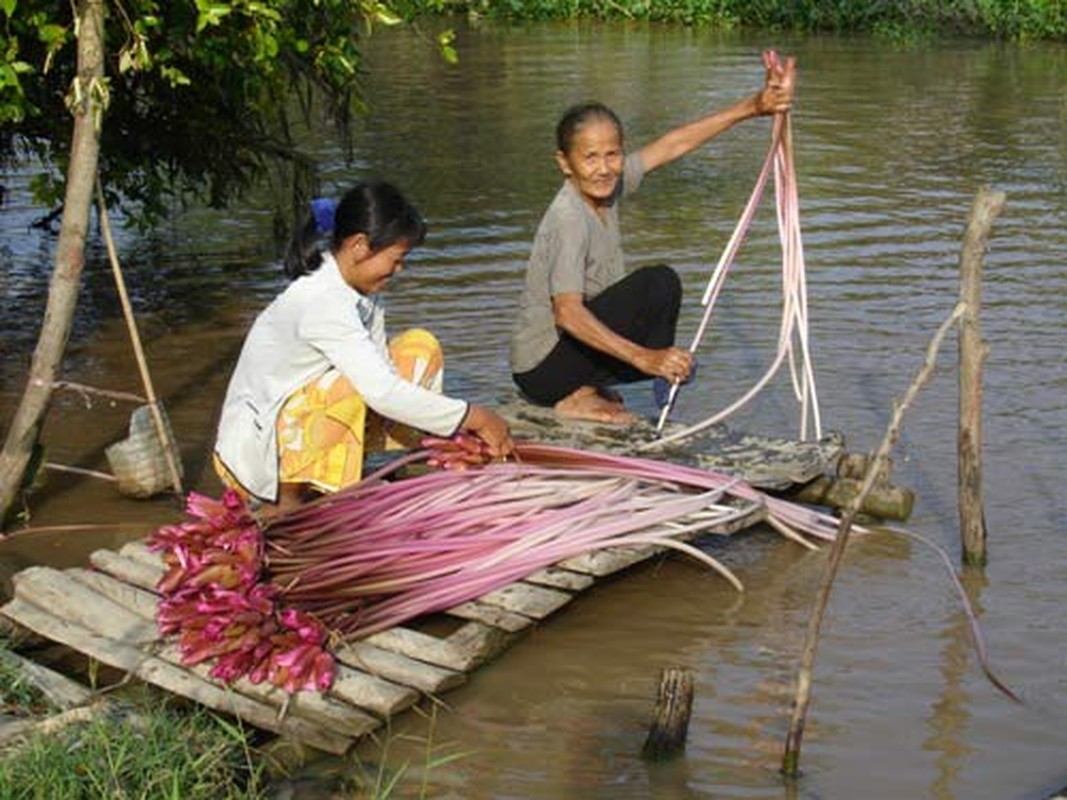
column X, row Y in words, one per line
column 334, row 328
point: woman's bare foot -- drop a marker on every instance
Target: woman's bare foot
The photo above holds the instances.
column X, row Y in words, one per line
column 589, row 403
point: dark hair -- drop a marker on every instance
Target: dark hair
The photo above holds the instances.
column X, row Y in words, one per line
column 375, row 208
column 576, row 116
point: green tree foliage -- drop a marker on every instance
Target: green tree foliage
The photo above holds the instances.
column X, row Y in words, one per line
column 1014, row 19
column 199, row 92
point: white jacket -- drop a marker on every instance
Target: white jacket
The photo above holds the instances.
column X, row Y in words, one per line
column 318, row 322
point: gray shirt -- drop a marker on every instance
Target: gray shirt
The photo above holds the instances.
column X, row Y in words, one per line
column 575, row 250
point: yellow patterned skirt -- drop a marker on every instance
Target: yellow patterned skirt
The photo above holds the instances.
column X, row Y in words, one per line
column 325, row 428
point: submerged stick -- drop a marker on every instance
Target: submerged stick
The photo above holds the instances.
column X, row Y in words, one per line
column 791, row 757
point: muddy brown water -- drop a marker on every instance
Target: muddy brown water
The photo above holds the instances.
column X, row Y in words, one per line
column 892, row 145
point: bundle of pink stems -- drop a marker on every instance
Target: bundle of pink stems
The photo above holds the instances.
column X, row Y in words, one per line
column 793, row 331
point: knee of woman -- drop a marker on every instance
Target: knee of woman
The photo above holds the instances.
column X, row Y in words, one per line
column 664, row 282
column 418, row 357
column 416, row 337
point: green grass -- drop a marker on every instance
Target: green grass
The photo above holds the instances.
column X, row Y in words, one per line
column 384, row 781
column 161, row 753
column 18, row 697
column 153, row 747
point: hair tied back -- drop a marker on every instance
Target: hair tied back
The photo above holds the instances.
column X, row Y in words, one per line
column 323, row 210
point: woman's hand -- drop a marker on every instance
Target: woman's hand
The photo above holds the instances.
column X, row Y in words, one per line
column 776, row 95
column 491, row 428
column 672, row 363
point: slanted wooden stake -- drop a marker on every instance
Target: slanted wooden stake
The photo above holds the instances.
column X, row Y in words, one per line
column 170, row 450
column 791, row 757
column 972, row 354
column 670, row 726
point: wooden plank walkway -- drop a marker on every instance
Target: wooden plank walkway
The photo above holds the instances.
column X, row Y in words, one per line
column 765, row 462
column 108, row 613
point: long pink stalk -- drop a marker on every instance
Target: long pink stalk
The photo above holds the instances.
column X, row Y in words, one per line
column 718, row 277
column 794, row 320
column 431, row 542
column 382, row 552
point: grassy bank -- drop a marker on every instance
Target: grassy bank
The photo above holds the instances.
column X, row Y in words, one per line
column 161, row 753
column 136, row 743
column 1003, row 19
column 116, row 748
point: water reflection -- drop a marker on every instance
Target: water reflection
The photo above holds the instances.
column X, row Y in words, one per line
column 891, row 147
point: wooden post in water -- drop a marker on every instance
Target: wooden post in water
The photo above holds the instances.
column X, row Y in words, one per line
column 674, row 703
column 972, row 354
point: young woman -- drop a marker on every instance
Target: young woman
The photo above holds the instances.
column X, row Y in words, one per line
column 584, row 324
column 317, row 385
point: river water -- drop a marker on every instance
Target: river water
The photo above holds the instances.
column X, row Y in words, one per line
column 892, row 145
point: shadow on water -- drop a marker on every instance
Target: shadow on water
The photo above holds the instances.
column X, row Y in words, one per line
column 891, row 147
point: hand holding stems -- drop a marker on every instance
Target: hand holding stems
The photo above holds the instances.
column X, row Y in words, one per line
column 776, row 96
column 672, row 363
column 491, row 428
column 483, row 437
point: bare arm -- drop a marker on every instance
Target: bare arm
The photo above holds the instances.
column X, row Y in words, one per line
column 775, row 96
column 573, row 317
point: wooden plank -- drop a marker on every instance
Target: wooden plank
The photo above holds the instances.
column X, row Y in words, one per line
column 19, row 637
column 174, row 679
column 364, row 691
column 138, row 551
column 398, row 668
column 762, row 461
column 601, row 563
column 736, row 515
column 76, row 602
column 53, row 590
column 482, row 642
column 755, row 514
column 61, row 691
column 126, row 569
column 16, row 733
column 318, row 708
column 140, row 601
column 526, row 599
column 495, row 616
column 559, row 578
column 421, row 647
column 371, row 692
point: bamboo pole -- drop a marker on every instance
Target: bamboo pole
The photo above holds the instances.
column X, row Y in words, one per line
column 791, row 757
column 165, row 439
column 88, row 391
column 972, row 353
column 89, row 473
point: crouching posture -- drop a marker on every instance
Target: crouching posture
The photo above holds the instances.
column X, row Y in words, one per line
column 318, row 385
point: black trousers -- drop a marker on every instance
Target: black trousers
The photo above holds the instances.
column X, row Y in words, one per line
column 642, row 307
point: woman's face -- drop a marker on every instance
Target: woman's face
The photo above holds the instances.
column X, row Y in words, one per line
column 594, row 161
column 369, row 272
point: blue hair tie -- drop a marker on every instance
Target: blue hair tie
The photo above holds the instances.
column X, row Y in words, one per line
column 323, row 210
